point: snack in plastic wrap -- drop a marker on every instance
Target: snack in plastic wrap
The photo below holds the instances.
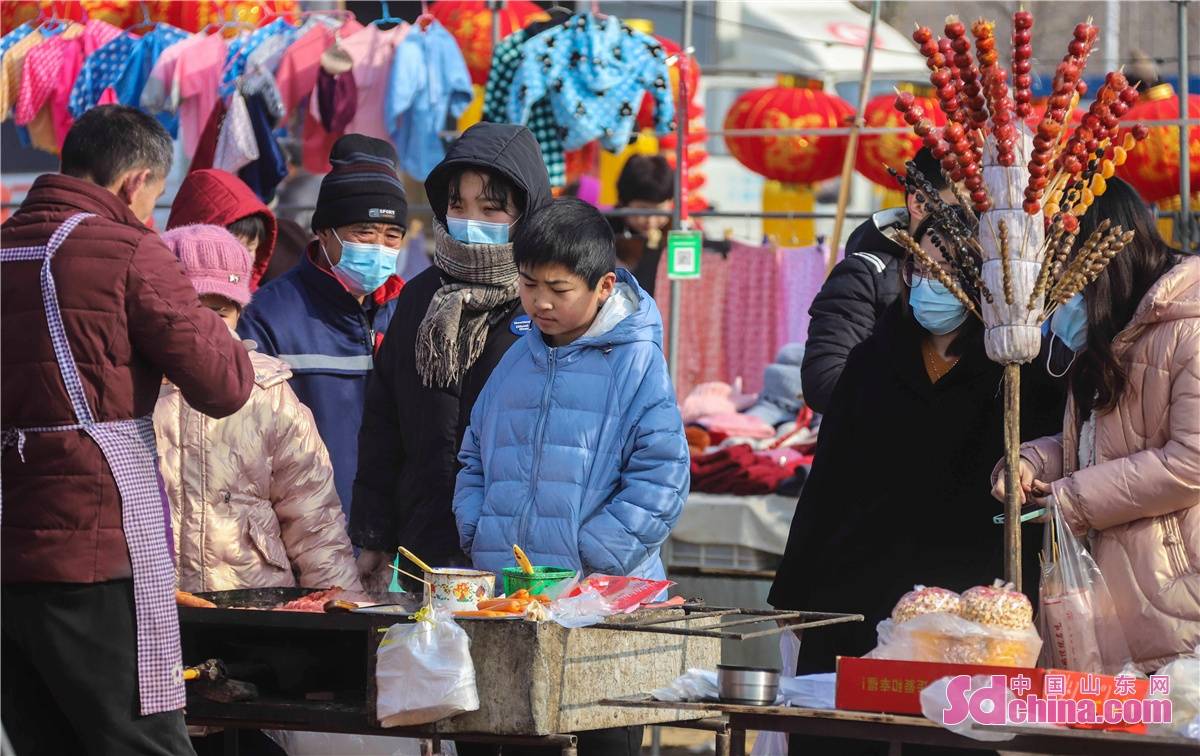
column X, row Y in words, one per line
column 998, row 604
column 943, row 637
column 921, row 600
column 986, row 625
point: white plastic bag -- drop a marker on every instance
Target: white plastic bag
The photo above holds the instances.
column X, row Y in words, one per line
column 1184, row 673
column 424, row 671
column 776, row 743
column 693, row 685
column 1077, row 618
column 935, row 700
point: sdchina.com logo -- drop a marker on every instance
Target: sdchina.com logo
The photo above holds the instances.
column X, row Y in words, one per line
column 992, row 705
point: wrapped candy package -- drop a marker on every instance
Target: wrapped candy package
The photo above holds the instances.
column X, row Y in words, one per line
column 990, row 625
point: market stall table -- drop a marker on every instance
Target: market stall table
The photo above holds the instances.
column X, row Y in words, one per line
column 898, row 730
column 315, row 671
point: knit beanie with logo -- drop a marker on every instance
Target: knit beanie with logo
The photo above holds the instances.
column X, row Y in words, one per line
column 363, row 187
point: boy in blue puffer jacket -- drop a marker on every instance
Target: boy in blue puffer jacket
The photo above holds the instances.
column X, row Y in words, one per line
column 576, row 449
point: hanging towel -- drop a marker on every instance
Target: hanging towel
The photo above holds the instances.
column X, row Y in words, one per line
column 701, row 337
column 337, row 100
column 750, row 313
column 236, row 144
column 801, row 275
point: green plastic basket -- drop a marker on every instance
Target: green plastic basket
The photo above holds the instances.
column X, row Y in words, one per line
column 541, row 579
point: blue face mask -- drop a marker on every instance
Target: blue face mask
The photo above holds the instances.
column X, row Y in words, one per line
column 470, row 231
column 935, row 308
column 1069, row 323
column 363, row 267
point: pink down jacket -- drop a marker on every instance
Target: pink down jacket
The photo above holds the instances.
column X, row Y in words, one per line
column 252, row 498
column 1140, row 498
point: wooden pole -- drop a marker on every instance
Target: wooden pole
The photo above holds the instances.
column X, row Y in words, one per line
column 864, row 92
column 1012, row 474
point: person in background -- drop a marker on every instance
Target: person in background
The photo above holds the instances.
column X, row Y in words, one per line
column 453, row 323
column 886, row 510
column 90, row 648
column 576, row 449
column 326, row 317
column 1126, row 466
column 862, row 287
column 646, row 183
column 252, row 497
column 216, row 197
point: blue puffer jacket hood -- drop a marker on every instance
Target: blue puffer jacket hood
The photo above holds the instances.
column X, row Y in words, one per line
column 577, row 453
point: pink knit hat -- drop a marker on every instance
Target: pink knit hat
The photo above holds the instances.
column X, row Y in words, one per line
column 213, row 259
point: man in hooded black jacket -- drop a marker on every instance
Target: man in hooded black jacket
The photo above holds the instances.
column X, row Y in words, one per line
column 411, row 432
column 860, row 289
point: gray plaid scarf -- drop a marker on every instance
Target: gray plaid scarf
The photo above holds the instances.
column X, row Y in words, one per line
column 478, row 293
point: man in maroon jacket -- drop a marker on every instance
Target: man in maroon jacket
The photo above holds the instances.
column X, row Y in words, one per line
column 94, row 310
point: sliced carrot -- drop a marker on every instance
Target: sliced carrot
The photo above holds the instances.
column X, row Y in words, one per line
column 483, row 613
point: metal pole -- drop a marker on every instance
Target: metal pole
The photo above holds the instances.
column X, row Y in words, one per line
column 852, row 146
column 680, row 197
column 1185, row 180
column 1112, row 35
column 495, row 22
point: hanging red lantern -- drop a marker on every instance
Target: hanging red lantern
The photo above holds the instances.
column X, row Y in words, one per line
column 1153, row 165
column 470, row 21
column 791, row 158
column 878, row 152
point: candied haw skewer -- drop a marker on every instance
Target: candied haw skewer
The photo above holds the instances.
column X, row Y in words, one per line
column 1022, row 63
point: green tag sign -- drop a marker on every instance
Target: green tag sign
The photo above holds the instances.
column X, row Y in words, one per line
column 683, row 254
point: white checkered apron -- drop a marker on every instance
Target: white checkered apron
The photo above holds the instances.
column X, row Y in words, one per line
column 128, row 447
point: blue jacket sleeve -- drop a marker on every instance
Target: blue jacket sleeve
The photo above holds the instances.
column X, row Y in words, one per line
column 468, row 488
column 654, row 483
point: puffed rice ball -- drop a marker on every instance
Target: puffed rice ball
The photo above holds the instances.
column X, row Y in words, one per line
column 999, row 604
column 921, row 600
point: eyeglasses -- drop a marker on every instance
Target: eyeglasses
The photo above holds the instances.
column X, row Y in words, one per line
column 913, row 273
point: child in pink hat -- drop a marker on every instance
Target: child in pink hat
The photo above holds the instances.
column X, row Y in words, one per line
column 253, row 503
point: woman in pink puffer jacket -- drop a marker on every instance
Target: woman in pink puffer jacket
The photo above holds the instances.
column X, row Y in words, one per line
column 252, row 498
column 1126, row 467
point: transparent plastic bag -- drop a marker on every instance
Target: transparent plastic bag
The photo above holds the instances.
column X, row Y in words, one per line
column 1077, row 618
column 1184, row 674
column 945, row 637
column 424, row 671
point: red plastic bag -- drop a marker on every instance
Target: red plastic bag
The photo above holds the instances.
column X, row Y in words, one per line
column 623, row 594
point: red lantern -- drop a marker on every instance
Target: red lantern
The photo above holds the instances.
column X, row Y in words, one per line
column 878, row 152
column 792, row 158
column 470, row 21
column 1153, row 165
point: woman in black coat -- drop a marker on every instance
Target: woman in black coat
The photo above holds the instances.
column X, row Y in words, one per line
column 900, row 486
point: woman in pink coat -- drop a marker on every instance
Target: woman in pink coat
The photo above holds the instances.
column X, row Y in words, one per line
column 252, row 498
column 1126, row 468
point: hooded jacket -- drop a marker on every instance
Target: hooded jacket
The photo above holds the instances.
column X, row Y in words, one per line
column 411, row 433
column 853, row 298
column 131, row 316
column 1140, row 499
column 252, row 497
column 577, row 453
column 219, row 198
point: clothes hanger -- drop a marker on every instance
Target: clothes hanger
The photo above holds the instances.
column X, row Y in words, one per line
column 387, row 17
column 146, row 23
